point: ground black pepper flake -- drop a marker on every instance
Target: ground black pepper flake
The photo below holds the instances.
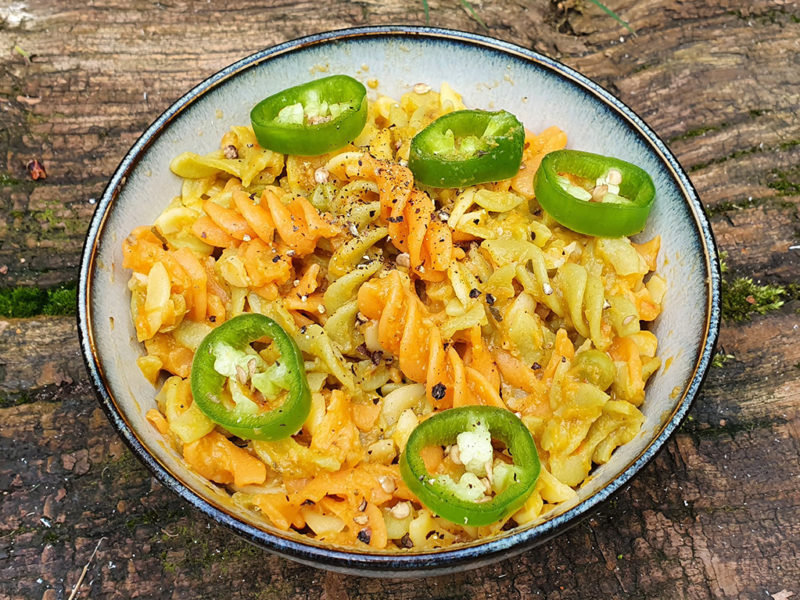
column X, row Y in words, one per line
column 490, row 299
column 536, row 366
column 365, row 535
column 405, row 541
column 276, row 258
column 212, row 318
column 474, row 293
column 395, row 219
column 438, row 391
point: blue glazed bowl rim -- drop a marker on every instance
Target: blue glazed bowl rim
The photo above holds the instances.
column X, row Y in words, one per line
column 397, row 564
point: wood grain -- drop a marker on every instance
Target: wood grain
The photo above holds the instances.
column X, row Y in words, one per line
column 713, row 516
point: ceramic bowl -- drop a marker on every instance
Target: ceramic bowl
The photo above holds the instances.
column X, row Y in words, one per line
column 489, row 74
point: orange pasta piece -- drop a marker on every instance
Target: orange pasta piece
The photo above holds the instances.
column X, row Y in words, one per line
column 216, row 458
column 408, row 215
column 439, row 245
column 353, row 484
column 415, row 337
column 517, row 374
column 309, row 304
column 625, row 350
column 264, row 264
column 437, row 372
column 418, row 217
column 563, row 350
column 337, row 435
column 268, row 292
column 141, row 250
column 198, row 282
column 230, row 221
column 371, row 298
column 479, row 358
column 647, row 309
column 308, row 282
column 278, row 509
column 378, row 535
column 157, row 420
column 536, row 146
column 216, row 309
column 175, row 358
column 365, row 415
column 481, row 390
column 318, row 227
column 649, row 251
column 212, row 234
column 390, row 330
column 258, row 218
column 461, row 395
column 432, row 456
column 291, row 224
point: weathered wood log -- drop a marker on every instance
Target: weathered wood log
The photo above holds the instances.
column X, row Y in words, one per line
column 714, row 516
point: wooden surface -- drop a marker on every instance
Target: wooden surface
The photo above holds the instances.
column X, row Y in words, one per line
column 716, row 515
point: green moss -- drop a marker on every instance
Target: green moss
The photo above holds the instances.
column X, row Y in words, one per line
column 169, row 567
column 56, row 533
column 723, row 262
column 122, row 470
column 722, row 159
column 61, row 301
column 742, row 297
column 693, row 133
column 720, row 358
column 770, row 16
column 729, row 205
column 16, row 400
column 203, row 553
column 8, row 180
column 786, row 183
column 24, row 302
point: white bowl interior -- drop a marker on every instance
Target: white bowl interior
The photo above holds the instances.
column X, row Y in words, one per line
column 487, row 79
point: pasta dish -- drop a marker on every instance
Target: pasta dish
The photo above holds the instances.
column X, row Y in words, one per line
column 396, row 324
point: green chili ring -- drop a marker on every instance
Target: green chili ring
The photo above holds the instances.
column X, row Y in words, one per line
column 308, row 139
column 207, row 383
column 439, row 157
column 604, row 219
column 443, row 429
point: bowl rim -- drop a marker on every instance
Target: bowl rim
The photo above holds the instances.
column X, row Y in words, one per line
column 470, row 555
